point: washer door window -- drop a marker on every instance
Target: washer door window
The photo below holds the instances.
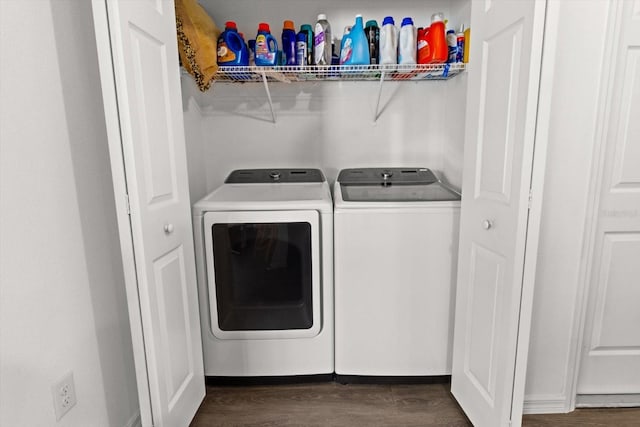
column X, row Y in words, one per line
column 263, row 270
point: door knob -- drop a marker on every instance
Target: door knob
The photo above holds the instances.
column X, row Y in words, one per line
column 168, row 228
column 486, row 224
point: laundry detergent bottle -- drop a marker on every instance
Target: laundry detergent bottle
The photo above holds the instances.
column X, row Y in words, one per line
column 322, row 41
column 289, row 43
column 355, row 47
column 388, row 42
column 407, row 47
column 372, row 32
column 232, row 50
column 424, row 49
column 437, row 40
column 266, row 53
column 301, row 49
column 308, row 31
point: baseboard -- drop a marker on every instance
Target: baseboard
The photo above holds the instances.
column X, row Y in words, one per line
column 607, row 400
column 546, row 404
column 134, row 421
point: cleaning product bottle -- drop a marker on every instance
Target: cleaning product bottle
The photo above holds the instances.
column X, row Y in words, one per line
column 372, row 32
column 289, row 43
column 467, row 45
column 460, row 45
column 437, row 39
column 308, row 30
column 335, row 57
column 345, row 44
column 452, row 45
column 232, row 50
column 266, row 46
column 388, row 42
column 322, row 41
column 407, row 46
column 252, row 52
column 358, row 51
column 424, row 49
column 301, row 49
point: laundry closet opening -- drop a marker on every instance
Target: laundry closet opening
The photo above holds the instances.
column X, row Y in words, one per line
column 244, row 129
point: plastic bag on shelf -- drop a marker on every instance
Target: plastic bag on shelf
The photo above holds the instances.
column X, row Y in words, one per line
column 197, row 42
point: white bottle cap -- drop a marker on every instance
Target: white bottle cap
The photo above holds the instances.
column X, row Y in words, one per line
column 358, row 16
column 437, row 17
column 322, row 16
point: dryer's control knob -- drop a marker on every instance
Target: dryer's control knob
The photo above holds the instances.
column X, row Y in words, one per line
column 386, row 175
column 275, row 175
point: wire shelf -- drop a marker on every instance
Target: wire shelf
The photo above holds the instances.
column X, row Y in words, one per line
column 288, row 74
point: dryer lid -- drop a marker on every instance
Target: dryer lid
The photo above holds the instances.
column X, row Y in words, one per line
column 262, row 176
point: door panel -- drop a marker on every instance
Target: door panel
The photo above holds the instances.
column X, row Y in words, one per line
column 617, row 305
column 163, row 298
column 627, row 171
column 611, row 356
column 174, row 328
column 155, row 136
column 486, row 281
column 504, row 71
column 498, row 96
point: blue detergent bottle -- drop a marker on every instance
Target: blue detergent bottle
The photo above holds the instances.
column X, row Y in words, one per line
column 232, row 50
column 355, row 47
column 266, row 53
column 289, row 43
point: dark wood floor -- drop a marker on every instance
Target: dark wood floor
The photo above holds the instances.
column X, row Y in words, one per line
column 332, row 404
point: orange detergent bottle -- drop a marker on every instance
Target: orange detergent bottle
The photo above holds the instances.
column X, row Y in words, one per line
column 436, row 38
column 424, row 49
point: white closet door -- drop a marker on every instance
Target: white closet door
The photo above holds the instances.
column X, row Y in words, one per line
column 146, row 138
column 611, row 355
column 504, row 72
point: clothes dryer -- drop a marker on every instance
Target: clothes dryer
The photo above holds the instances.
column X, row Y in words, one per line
column 396, row 244
column 264, row 253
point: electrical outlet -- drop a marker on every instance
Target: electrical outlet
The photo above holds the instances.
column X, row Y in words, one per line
column 64, row 395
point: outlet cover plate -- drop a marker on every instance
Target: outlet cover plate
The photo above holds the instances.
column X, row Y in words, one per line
column 64, row 395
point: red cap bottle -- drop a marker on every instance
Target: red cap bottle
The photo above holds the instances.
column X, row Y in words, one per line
column 264, row 27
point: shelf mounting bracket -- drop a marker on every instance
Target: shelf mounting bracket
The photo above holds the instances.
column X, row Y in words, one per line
column 266, row 88
column 377, row 112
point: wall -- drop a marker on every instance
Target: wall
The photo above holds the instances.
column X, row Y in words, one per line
column 572, row 133
column 455, row 108
column 62, row 288
column 194, row 139
column 329, row 126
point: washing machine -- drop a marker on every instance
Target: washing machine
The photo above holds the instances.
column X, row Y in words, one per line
column 396, row 244
column 264, row 253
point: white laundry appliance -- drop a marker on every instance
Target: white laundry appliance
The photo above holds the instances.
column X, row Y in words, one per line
column 396, row 244
column 264, row 253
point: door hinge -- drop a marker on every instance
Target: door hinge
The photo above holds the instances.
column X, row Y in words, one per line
column 530, row 197
column 126, row 201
